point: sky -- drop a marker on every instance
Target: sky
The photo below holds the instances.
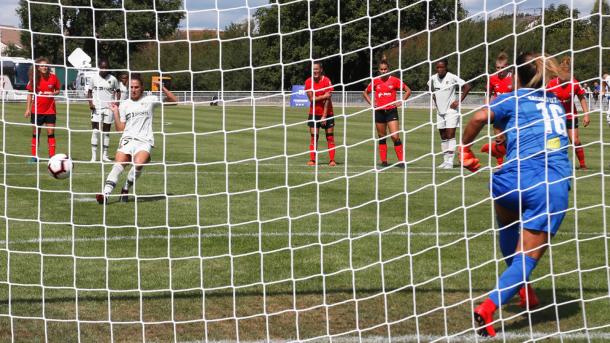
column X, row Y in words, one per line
column 220, row 13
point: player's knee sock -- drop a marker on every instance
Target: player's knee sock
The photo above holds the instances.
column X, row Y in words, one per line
column 312, row 147
column 444, row 148
column 51, row 142
column 33, row 146
column 580, row 153
column 513, row 278
column 95, row 136
column 451, row 149
column 134, row 173
column 398, row 150
column 105, row 143
column 509, row 238
column 330, row 140
column 383, row 150
column 113, row 177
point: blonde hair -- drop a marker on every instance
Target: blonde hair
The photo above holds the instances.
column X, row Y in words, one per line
column 535, row 70
column 383, row 60
column 502, row 57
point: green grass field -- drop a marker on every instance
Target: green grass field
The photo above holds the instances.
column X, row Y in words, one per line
column 232, row 237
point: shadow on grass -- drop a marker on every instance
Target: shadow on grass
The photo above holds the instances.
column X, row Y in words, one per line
column 571, row 306
column 145, row 198
column 568, row 306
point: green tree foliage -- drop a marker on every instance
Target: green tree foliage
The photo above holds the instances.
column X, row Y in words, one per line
column 57, row 30
column 274, row 49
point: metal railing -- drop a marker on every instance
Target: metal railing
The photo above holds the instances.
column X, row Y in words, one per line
column 418, row 99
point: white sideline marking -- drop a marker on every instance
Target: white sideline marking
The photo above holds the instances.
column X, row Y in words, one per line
column 397, row 171
column 264, row 234
column 509, row 336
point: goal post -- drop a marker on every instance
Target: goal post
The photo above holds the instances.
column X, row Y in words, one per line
column 229, row 235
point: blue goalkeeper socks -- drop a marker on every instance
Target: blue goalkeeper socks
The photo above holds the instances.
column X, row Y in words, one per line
column 512, row 278
column 509, row 238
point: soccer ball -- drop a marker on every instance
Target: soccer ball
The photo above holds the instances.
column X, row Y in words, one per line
column 60, row 166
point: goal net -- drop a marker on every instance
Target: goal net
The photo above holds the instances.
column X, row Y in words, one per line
column 229, row 235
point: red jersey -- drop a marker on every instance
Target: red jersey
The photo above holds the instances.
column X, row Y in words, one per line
column 319, row 88
column 497, row 86
column 44, row 104
column 385, row 92
column 565, row 92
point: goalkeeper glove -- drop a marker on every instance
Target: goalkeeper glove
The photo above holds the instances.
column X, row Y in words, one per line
column 468, row 159
column 496, row 150
column 608, row 118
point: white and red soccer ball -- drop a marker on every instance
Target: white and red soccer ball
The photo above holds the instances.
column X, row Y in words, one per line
column 60, row 166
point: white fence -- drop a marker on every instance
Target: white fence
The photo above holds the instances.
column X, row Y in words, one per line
column 419, row 99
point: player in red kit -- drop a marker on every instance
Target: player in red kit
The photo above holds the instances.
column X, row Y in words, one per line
column 43, row 87
column 565, row 90
column 384, row 89
column 499, row 83
column 319, row 90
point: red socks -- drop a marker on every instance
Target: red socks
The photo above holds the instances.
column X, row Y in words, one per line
column 330, row 140
column 383, row 150
column 34, row 143
column 312, row 147
column 51, row 141
column 398, row 150
column 580, row 153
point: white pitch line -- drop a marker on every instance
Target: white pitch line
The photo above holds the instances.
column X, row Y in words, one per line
column 501, row 337
column 397, row 171
column 255, row 235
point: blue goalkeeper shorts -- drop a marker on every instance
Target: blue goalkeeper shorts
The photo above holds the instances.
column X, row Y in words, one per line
column 543, row 204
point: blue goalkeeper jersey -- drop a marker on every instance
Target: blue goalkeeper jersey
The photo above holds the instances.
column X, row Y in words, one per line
column 535, row 129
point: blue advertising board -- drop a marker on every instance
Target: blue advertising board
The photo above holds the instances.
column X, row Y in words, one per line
column 298, row 97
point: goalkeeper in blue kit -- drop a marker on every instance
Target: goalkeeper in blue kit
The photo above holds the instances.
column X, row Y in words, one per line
column 531, row 189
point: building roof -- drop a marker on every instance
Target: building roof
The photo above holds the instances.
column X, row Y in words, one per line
column 10, row 36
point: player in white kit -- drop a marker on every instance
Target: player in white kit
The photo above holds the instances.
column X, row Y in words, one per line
column 445, row 88
column 124, row 86
column 134, row 118
column 103, row 91
column 605, row 95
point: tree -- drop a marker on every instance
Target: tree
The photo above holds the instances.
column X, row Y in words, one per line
column 306, row 30
column 75, row 19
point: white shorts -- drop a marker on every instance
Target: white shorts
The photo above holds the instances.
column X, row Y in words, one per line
column 104, row 115
column 449, row 120
column 131, row 147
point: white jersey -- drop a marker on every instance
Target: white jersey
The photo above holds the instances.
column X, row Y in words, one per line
column 445, row 90
column 124, row 91
column 138, row 116
column 606, row 84
column 103, row 90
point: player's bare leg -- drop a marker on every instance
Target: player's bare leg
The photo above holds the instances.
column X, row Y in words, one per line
column 105, row 141
column 141, row 158
column 580, row 151
column 394, row 128
column 121, row 159
column 314, row 133
column 383, row 147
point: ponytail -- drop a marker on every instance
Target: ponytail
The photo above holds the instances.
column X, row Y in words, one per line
column 535, row 70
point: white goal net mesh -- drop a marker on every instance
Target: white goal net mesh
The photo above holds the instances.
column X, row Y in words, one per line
column 229, row 235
